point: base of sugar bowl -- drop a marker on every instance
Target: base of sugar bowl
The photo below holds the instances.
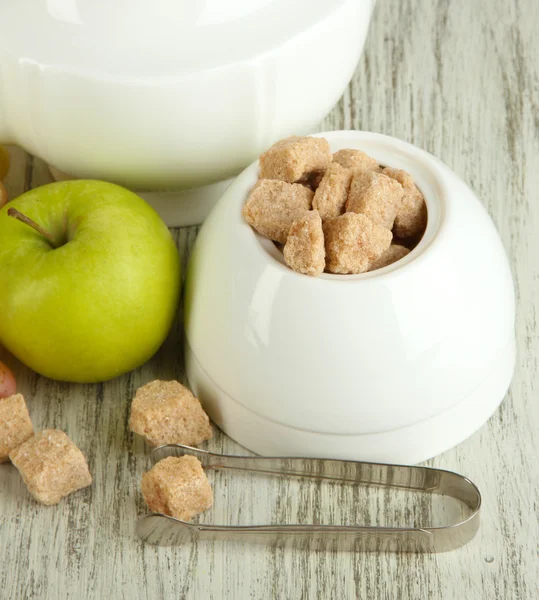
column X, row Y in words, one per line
column 394, row 365
column 408, row 445
column 177, row 208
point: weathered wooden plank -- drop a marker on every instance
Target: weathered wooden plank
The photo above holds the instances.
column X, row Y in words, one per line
column 460, row 79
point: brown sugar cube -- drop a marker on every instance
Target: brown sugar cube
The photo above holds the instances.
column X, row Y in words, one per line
column 352, row 241
column 375, row 195
column 411, row 217
column 391, row 255
column 166, row 412
column 356, row 160
column 177, row 487
column 304, row 249
column 274, row 205
column 295, row 158
column 15, row 424
column 51, row 465
column 330, row 196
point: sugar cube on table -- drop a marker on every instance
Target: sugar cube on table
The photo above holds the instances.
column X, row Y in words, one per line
column 295, row 158
column 304, row 250
column 51, row 465
column 166, row 412
column 274, row 205
column 352, row 241
column 375, row 195
column 177, row 487
column 15, row 424
column 331, row 195
column 411, row 217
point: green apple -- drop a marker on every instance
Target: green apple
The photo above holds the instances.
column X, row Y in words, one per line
column 89, row 280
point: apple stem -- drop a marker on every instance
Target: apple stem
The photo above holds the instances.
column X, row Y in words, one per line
column 13, row 212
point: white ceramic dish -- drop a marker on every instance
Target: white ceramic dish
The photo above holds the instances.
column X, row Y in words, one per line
column 396, row 365
column 171, row 94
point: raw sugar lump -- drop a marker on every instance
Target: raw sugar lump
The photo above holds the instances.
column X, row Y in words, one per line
column 295, row 159
column 304, row 250
column 273, row 206
column 355, row 160
column 352, row 241
column 166, row 412
column 177, row 487
column 15, row 424
column 411, row 217
column 331, row 195
column 375, row 195
column 51, row 466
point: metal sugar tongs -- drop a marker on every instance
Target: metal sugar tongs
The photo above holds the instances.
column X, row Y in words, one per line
column 163, row 530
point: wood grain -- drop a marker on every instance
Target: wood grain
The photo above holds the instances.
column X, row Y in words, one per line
column 460, row 79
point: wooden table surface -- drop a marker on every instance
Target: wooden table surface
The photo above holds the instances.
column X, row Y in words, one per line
column 460, row 79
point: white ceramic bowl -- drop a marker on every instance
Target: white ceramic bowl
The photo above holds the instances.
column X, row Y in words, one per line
column 170, row 94
column 396, row 365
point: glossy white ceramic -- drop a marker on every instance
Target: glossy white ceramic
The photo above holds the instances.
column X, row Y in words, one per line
column 177, row 208
column 170, row 94
column 396, row 365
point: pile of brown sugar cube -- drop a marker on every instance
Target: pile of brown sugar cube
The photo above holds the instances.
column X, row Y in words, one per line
column 166, row 412
column 340, row 213
column 50, row 464
column 163, row 412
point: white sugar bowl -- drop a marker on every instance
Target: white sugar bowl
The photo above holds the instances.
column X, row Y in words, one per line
column 396, row 365
column 170, row 94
